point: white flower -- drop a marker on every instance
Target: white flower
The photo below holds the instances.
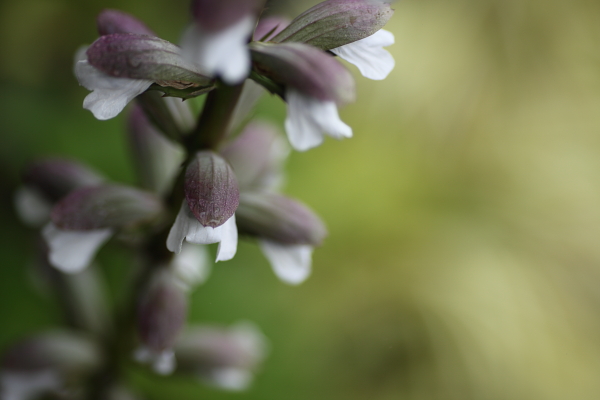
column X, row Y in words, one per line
column 309, row 119
column 109, row 94
column 224, row 53
column 291, row 263
column 368, row 55
column 187, row 227
column 72, row 251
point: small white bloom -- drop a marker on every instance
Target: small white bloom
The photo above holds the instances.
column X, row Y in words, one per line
column 28, row 385
column 163, row 362
column 109, row 94
column 191, row 265
column 32, row 207
column 72, row 251
column 291, row 263
column 309, row 119
column 224, row 53
column 187, row 227
column 368, row 55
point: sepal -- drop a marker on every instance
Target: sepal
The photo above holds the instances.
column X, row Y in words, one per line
column 335, row 23
column 61, row 351
column 211, row 189
column 133, row 56
column 279, row 219
column 304, row 68
column 107, row 206
column 223, row 357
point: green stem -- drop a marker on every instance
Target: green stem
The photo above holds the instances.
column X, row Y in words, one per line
column 215, row 119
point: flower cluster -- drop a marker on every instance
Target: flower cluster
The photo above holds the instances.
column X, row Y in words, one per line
column 203, row 180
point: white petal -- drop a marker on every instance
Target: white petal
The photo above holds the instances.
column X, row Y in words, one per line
column 187, row 227
column 368, row 55
column 32, row 207
column 224, row 53
column 163, row 363
column 291, row 263
column 308, row 119
column 229, row 238
column 72, row 251
column 28, row 385
column 191, row 266
column 234, row 379
column 109, row 94
column 184, row 223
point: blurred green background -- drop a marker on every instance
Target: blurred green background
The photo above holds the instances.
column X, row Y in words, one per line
column 463, row 260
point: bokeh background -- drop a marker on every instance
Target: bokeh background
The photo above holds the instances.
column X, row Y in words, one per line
column 463, row 260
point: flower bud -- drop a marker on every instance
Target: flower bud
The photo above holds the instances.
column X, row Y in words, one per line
column 107, row 206
column 55, row 178
column 211, row 189
column 115, row 21
column 61, row 351
column 335, row 23
column 223, row 357
column 155, row 158
column 46, row 364
column 133, row 56
column 161, row 314
column 256, row 156
column 304, row 68
column 279, row 219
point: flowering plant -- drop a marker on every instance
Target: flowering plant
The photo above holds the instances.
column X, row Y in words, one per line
column 204, row 180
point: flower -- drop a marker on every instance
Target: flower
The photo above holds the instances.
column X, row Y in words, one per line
column 120, row 66
column 85, row 219
column 286, row 230
column 368, row 55
column 223, row 357
column 161, row 313
column 315, row 84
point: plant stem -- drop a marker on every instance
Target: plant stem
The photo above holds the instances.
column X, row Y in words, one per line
column 215, row 119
